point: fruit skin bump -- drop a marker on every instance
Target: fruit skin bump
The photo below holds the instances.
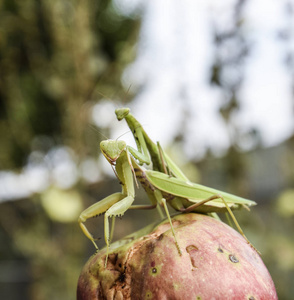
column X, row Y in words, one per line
column 216, row 263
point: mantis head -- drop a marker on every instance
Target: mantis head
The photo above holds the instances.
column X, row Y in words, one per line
column 121, row 113
column 112, row 149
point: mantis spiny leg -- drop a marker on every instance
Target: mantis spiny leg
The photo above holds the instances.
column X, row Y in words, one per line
column 218, row 196
column 96, row 210
column 161, row 199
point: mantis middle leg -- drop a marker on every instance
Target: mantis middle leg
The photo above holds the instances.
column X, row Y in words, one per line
column 161, row 200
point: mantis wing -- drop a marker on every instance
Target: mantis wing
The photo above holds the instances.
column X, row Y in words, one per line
column 192, row 191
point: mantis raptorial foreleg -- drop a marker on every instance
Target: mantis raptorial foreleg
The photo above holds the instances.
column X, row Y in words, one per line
column 95, row 210
column 114, row 205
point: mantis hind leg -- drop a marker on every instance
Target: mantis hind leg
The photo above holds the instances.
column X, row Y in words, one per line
column 218, row 196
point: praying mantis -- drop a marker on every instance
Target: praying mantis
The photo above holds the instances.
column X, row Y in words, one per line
column 151, row 152
column 165, row 183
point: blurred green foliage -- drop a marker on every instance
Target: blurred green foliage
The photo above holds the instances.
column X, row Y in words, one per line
column 55, row 56
column 56, row 59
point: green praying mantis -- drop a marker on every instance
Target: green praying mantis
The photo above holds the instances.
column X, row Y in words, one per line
column 153, row 153
column 165, row 183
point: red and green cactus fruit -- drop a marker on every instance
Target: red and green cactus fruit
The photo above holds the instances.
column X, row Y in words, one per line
column 216, row 263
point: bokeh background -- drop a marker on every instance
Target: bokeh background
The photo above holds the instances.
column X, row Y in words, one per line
column 213, row 81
